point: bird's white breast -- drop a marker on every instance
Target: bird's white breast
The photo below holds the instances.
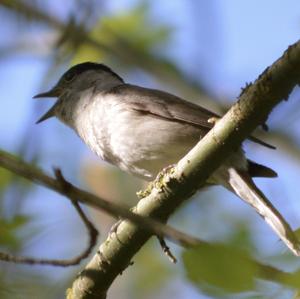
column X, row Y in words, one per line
column 137, row 143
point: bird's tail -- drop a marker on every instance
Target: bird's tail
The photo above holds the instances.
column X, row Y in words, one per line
column 242, row 184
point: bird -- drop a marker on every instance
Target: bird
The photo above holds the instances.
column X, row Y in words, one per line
column 143, row 130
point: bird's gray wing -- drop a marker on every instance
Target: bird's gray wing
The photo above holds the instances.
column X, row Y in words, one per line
column 165, row 105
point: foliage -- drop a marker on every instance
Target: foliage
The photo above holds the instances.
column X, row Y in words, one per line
column 137, row 33
column 220, row 269
column 9, row 231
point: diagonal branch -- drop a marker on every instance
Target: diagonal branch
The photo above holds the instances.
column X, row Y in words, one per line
column 252, row 109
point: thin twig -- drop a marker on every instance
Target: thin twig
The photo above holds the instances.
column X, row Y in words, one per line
column 92, row 232
column 165, row 248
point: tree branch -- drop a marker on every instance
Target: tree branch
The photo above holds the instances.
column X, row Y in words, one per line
column 254, row 105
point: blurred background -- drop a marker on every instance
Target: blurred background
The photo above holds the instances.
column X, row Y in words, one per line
column 203, row 51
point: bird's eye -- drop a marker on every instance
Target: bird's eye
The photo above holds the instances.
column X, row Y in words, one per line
column 69, row 76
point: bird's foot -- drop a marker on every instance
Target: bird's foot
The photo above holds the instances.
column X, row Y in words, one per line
column 166, row 170
column 157, row 183
column 213, row 120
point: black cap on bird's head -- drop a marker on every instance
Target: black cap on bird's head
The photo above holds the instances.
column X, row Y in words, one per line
column 66, row 79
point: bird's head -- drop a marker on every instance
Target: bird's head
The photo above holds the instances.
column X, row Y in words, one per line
column 77, row 79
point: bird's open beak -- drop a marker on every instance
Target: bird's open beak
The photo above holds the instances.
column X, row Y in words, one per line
column 53, row 93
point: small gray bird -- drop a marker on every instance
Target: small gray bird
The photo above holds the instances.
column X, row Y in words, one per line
column 143, row 130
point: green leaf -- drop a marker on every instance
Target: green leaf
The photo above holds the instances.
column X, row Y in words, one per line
column 220, row 266
column 150, row 263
